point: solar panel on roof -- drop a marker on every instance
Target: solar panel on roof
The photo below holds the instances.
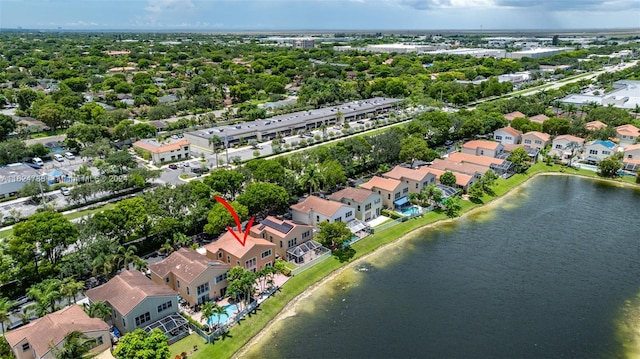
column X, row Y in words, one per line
column 283, row 228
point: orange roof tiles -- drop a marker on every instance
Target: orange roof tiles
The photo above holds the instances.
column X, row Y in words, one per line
column 629, row 130
column 317, row 204
column 52, row 328
column 466, row 168
column 128, row 289
column 399, row 172
column 543, row 136
column 185, row 263
column 488, row 145
column 632, row 147
column 510, row 130
column 538, row 118
column 462, row 179
column 595, row 125
column 570, row 138
column 387, row 184
column 358, row 195
column 513, row 115
column 230, row 244
column 161, row 148
column 478, row 160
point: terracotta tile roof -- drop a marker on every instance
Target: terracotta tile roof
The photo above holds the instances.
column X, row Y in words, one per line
column 387, row 184
column 275, row 225
column 488, row 145
column 543, row 136
column 538, row 118
column 358, row 195
column 317, row 204
column 399, row 172
column 125, row 291
column 595, row 125
column 513, row 115
column 461, row 178
column 570, row 138
column 52, row 328
column 635, row 147
column 510, row 130
column 161, row 148
column 629, row 130
column 631, row 161
column 478, row 160
column 466, row 168
column 185, row 263
column 230, row 244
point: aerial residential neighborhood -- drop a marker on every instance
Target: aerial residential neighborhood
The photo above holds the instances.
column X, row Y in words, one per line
column 181, row 192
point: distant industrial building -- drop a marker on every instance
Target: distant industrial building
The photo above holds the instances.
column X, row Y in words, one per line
column 626, row 95
column 539, row 52
column 287, row 124
column 304, row 43
column 495, row 53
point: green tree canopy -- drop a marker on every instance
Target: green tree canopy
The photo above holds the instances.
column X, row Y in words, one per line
column 333, row 235
column 142, row 345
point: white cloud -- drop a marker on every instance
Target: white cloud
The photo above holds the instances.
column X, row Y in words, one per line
column 159, row 6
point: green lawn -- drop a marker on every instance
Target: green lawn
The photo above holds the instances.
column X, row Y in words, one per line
column 241, row 333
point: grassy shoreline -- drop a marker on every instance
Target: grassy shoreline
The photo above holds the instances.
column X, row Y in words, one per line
column 249, row 329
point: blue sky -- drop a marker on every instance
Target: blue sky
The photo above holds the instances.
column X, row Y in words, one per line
column 319, row 14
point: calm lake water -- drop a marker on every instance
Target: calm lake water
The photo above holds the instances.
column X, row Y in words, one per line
column 542, row 274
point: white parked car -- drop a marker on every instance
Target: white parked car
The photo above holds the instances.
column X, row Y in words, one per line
column 58, row 157
column 69, row 155
column 38, row 161
column 65, row 191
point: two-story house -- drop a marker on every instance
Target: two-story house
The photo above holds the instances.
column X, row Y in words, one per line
column 313, row 210
column 598, row 150
column 196, row 277
column 507, row 135
column 394, row 192
column 136, row 301
column 283, row 233
column 255, row 254
column 535, row 139
column 460, row 167
column 483, row 148
column 368, row 205
column 631, row 158
column 415, row 179
column 561, row 146
column 627, row 134
column 37, row 339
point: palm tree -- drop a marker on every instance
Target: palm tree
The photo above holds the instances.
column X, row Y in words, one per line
column 105, row 264
column 207, row 312
column 312, row 178
column 140, row 265
column 214, row 142
column 98, row 310
column 76, row 345
column 70, row 288
column 46, row 293
column 573, row 146
column 5, row 308
column 219, row 311
column 126, row 256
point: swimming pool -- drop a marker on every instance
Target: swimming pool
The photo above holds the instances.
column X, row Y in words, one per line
column 587, row 167
column 230, row 310
column 411, row 211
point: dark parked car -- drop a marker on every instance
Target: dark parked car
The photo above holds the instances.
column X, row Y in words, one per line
column 196, row 170
column 173, row 166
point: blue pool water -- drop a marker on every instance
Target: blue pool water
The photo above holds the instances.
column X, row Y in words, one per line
column 411, row 211
column 587, row 167
column 230, row 309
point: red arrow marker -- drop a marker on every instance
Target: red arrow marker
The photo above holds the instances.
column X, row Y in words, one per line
column 237, row 219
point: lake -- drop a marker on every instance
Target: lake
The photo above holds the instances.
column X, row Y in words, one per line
column 543, row 273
